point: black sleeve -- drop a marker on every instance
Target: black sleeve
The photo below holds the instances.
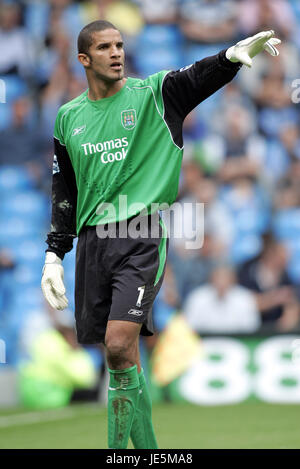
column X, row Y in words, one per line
column 64, row 201
column 184, row 89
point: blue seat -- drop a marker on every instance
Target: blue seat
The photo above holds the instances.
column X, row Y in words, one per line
column 286, row 224
column 293, row 267
column 15, row 87
column 29, row 203
column 160, row 48
column 14, row 230
column 5, row 116
column 36, row 17
column 27, row 299
column 293, row 270
column 30, row 251
column 160, row 34
column 69, row 275
column 14, row 178
column 27, row 275
column 245, row 247
column 196, row 52
column 149, row 61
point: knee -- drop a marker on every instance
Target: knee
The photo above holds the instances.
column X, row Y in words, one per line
column 118, row 352
column 115, row 347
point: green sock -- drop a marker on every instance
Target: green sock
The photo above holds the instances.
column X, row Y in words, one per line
column 123, row 393
column 142, row 432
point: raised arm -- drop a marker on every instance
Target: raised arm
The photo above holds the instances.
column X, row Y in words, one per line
column 184, row 89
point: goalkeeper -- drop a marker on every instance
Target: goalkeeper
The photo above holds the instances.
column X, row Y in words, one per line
column 122, row 138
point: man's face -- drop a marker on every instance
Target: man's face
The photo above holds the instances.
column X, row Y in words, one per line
column 106, row 55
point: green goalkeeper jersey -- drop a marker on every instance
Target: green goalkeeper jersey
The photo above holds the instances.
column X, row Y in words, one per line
column 120, row 145
column 121, row 155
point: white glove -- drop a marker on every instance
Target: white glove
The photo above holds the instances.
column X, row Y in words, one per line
column 53, row 282
column 245, row 50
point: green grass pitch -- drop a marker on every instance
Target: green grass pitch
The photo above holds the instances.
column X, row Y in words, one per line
column 249, row 425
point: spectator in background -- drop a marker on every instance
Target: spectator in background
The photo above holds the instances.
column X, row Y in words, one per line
column 208, row 21
column 57, row 83
column 63, row 86
column 249, row 207
column 22, row 142
column 192, row 174
column 284, row 69
column 54, row 55
column 16, row 50
column 222, row 306
column 273, row 92
column 243, row 148
column 166, row 304
column 162, row 12
column 217, row 218
column 195, row 271
column 7, row 264
column 261, row 15
column 275, row 113
column 199, row 210
column 8, row 332
column 290, row 139
column 287, row 197
column 56, row 365
column 267, row 278
column 286, row 219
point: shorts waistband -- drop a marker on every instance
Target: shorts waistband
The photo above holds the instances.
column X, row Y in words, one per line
column 128, row 220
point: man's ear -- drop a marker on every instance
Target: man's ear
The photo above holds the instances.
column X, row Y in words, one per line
column 84, row 59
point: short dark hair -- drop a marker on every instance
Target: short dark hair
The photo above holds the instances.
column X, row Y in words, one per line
column 85, row 39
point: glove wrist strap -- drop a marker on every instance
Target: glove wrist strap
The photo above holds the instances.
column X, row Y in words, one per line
column 52, row 258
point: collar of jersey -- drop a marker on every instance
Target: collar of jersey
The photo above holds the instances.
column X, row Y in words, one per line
column 105, row 101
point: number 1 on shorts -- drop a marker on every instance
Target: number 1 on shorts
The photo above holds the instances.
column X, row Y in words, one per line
column 141, row 294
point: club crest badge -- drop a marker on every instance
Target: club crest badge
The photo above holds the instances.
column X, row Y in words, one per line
column 128, row 119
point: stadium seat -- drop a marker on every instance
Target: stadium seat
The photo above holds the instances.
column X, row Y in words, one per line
column 15, row 87
column 149, row 61
column 158, row 34
column 30, row 251
column 5, row 116
column 27, row 275
column 245, row 247
column 195, row 52
column 160, row 49
column 14, row 178
column 28, row 203
column 28, row 299
column 36, row 17
column 14, row 230
column 286, row 224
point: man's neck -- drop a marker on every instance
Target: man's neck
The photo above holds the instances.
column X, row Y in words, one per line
column 100, row 89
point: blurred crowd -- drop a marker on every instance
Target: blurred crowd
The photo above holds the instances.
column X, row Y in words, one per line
column 241, row 158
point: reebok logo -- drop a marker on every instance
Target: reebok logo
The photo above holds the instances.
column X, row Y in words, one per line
column 135, row 312
column 78, row 130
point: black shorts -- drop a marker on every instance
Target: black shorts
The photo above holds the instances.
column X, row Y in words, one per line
column 118, row 278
